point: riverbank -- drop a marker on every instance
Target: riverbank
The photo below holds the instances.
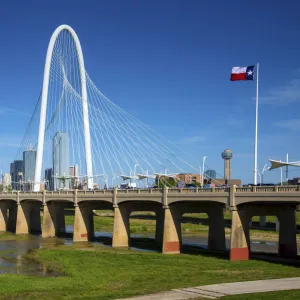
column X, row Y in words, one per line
column 92, row 271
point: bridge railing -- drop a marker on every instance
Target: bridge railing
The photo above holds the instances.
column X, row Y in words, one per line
column 289, row 188
column 267, row 189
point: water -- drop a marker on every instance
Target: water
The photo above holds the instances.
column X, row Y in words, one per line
column 14, row 261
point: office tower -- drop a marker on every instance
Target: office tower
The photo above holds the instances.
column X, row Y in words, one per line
column 49, row 180
column 29, row 158
column 16, row 173
column 61, row 160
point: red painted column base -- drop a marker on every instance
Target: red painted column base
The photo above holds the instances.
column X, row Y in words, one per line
column 239, row 253
column 171, row 247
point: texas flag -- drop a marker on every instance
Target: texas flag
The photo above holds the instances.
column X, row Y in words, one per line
column 242, row 73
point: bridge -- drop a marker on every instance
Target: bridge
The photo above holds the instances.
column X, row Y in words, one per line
column 20, row 212
column 74, row 124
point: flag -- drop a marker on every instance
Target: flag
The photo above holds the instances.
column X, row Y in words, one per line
column 242, row 73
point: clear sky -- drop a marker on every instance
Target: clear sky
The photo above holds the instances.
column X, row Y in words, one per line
column 168, row 63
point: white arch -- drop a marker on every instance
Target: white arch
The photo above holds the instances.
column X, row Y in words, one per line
column 85, row 114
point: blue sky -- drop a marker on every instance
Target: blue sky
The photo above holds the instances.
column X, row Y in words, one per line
column 168, row 63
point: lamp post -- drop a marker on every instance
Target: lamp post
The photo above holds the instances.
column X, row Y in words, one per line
column 265, row 168
column 259, row 177
column 202, row 179
column 280, row 175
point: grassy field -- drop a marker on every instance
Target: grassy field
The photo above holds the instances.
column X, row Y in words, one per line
column 105, row 273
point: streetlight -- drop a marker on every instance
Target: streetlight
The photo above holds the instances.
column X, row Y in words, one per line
column 265, row 168
column 202, row 179
column 259, row 177
column 200, row 175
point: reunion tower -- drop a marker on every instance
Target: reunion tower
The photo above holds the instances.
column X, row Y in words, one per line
column 227, row 156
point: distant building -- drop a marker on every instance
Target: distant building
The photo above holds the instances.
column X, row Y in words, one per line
column 29, row 158
column 222, row 181
column 189, row 178
column 6, row 181
column 211, row 174
column 49, row 180
column 74, row 176
column 60, row 158
column 12, row 174
column 16, row 169
column 294, row 181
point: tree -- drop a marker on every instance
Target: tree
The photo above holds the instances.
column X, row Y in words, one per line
column 165, row 181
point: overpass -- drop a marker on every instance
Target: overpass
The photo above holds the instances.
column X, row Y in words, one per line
column 20, row 213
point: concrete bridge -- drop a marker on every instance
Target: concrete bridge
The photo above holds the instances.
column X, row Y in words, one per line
column 20, row 213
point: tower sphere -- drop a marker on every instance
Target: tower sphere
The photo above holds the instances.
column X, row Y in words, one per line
column 227, row 154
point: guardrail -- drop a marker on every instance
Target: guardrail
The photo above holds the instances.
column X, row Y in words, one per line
column 243, row 189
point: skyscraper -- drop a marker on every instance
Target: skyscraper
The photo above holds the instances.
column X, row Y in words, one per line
column 61, row 159
column 16, row 173
column 49, row 185
column 29, row 158
column 12, row 174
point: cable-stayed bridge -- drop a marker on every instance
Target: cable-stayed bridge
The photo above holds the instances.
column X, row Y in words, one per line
column 74, row 124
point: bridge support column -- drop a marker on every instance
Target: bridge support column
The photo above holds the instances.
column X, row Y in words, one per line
column 287, row 233
column 262, row 221
column 82, row 223
column 239, row 249
column 60, row 219
column 121, row 231
column 3, row 216
column 35, row 218
column 159, row 229
column 216, row 233
column 49, row 220
column 277, row 224
column 12, row 217
column 172, row 231
column 23, row 218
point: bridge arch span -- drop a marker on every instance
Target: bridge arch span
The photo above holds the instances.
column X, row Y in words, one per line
column 44, row 100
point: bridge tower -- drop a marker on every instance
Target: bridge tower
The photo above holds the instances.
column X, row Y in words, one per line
column 227, row 156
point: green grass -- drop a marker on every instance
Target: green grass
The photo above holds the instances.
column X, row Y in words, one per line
column 9, row 236
column 104, row 273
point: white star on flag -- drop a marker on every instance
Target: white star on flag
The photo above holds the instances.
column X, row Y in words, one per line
column 250, row 72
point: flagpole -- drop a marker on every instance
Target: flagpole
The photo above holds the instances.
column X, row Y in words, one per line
column 256, row 127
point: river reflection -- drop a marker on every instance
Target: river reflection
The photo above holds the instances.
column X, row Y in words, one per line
column 14, row 261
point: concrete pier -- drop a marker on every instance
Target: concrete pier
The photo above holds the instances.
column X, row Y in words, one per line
column 216, row 232
column 172, row 231
column 287, row 233
column 83, row 223
column 121, row 231
column 3, row 216
column 239, row 247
